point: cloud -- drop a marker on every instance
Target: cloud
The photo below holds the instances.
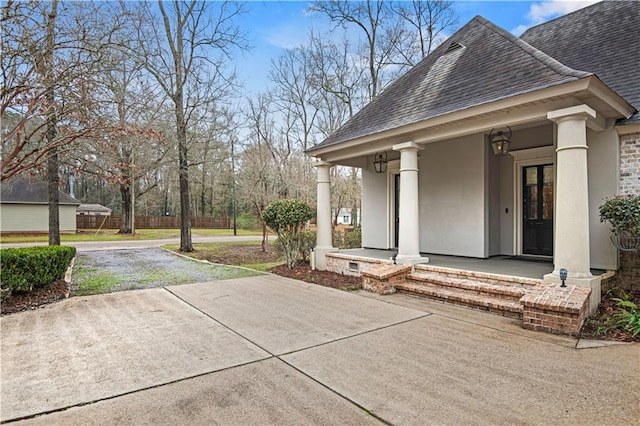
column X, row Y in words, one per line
column 550, row 9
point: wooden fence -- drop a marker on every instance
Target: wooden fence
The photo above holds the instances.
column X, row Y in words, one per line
column 149, row 222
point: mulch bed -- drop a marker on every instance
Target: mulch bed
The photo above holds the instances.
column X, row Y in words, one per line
column 607, row 308
column 38, row 297
column 303, row 272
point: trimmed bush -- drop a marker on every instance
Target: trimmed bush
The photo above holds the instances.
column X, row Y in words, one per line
column 22, row 269
column 287, row 219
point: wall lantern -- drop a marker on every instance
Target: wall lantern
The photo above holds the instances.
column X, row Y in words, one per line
column 563, row 276
column 380, row 162
column 500, row 141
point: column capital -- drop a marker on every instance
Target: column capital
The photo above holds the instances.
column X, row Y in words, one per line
column 406, row 146
column 322, row 163
column 580, row 112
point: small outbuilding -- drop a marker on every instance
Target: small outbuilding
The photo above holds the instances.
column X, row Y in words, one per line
column 93, row 210
column 24, row 207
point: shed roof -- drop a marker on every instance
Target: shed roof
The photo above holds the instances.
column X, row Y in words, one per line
column 98, row 208
column 30, row 190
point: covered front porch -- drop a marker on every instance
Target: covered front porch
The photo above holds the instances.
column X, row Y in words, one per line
column 515, row 266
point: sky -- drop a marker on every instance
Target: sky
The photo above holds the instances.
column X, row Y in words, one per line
column 273, row 26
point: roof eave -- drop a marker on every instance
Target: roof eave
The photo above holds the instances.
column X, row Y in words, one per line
column 590, row 84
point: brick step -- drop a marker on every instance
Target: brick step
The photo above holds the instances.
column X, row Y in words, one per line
column 486, row 277
column 510, row 292
column 483, row 302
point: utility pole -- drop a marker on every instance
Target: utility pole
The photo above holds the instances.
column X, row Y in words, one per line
column 233, row 189
column 133, row 195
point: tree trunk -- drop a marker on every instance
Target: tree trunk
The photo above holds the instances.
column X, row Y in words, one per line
column 125, row 193
column 52, row 161
column 54, row 195
column 183, row 163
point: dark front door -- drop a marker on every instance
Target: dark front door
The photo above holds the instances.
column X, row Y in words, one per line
column 396, row 208
column 537, row 194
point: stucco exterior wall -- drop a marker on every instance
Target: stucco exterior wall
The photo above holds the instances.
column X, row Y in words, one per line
column 602, row 159
column 374, row 220
column 35, row 218
column 452, row 197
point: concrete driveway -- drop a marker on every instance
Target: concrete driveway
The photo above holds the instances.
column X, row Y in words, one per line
column 269, row 350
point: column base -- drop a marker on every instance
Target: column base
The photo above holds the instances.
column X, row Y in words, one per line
column 320, row 257
column 594, row 283
column 410, row 259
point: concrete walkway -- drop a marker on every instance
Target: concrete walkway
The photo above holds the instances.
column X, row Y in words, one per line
column 269, row 350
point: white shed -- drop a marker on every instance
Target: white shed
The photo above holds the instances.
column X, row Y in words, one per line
column 24, row 207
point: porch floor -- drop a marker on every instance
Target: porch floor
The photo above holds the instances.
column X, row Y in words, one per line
column 503, row 265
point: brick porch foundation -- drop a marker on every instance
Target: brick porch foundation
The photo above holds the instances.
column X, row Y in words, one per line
column 541, row 306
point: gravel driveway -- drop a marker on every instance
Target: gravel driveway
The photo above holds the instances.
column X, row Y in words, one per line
column 116, row 270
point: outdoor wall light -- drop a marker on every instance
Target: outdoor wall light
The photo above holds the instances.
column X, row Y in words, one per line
column 380, row 162
column 500, row 141
column 563, row 276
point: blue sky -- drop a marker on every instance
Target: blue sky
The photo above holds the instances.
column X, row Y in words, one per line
column 272, row 26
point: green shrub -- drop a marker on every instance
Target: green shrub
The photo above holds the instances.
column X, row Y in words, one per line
column 623, row 213
column 248, row 221
column 347, row 238
column 22, row 269
column 287, row 219
column 628, row 315
column 307, row 242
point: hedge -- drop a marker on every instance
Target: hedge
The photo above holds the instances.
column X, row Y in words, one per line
column 22, row 269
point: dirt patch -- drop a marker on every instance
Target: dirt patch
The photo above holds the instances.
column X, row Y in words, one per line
column 38, row 297
column 303, row 272
column 239, row 255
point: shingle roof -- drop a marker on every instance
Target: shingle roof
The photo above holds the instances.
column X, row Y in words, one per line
column 30, row 190
column 93, row 208
column 603, row 39
column 493, row 64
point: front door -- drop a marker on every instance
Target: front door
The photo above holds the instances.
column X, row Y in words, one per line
column 537, row 198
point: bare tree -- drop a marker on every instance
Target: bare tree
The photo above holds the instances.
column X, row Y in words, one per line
column 51, row 55
column 189, row 50
column 427, row 24
column 381, row 29
column 294, row 91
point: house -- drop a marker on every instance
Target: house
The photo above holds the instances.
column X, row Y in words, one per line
column 344, row 216
column 561, row 102
column 24, row 207
column 93, row 210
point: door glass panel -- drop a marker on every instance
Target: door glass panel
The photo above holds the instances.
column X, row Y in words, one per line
column 547, row 193
column 531, row 176
column 531, row 188
column 548, row 174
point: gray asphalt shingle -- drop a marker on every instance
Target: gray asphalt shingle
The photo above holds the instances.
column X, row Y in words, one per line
column 493, row 64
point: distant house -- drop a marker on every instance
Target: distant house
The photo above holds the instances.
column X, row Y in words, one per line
column 24, row 207
column 93, row 210
column 344, row 216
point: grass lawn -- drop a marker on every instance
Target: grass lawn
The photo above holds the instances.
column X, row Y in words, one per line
column 113, row 235
column 248, row 254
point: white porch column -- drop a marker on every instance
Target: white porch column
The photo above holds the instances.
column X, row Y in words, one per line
column 571, row 238
column 324, row 240
column 409, row 232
